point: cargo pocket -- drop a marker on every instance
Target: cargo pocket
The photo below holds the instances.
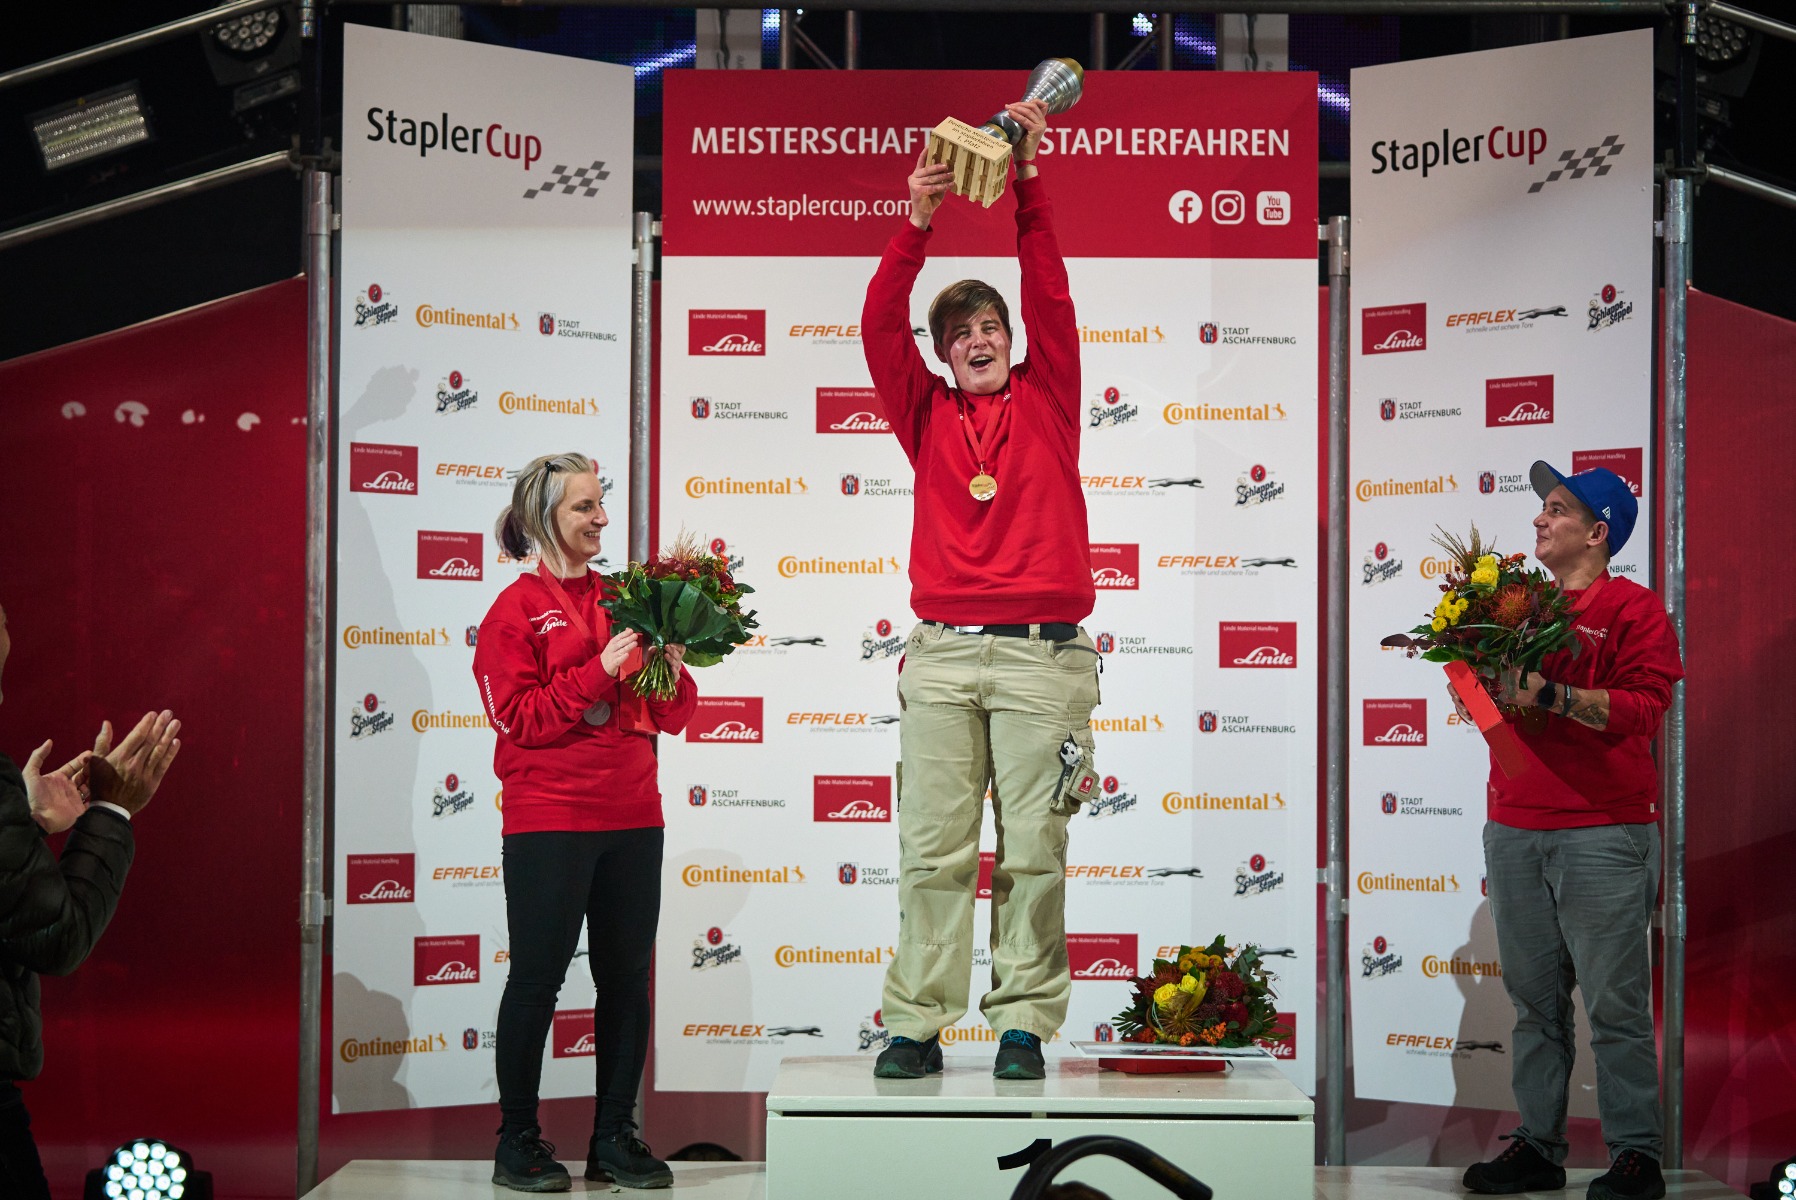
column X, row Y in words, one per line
column 1079, row 777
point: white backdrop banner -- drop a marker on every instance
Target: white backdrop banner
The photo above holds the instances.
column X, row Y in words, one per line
column 1185, row 204
column 484, row 320
column 1502, row 282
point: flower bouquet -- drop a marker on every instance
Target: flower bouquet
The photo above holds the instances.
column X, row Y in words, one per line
column 1210, row 997
column 685, row 597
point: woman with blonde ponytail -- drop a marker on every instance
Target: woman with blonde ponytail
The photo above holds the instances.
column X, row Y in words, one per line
column 582, row 823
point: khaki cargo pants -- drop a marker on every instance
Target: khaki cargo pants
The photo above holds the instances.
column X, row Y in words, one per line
column 978, row 710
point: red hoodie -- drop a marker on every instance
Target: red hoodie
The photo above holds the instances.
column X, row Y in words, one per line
column 1024, row 556
column 537, row 677
column 1581, row 776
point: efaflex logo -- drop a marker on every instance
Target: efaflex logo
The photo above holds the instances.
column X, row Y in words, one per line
column 1519, row 401
column 850, row 410
column 1393, row 328
column 1105, row 957
column 726, row 721
column 441, row 960
column 1628, row 464
column 572, row 1034
column 855, row 799
column 381, row 878
column 1388, row 722
column 1116, row 566
column 452, row 556
column 374, row 467
column 728, row 331
column 1263, row 644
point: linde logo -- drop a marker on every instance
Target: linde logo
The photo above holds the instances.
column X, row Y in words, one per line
column 441, row 134
column 726, row 720
column 1628, row 464
column 850, row 410
column 380, row 878
column 852, row 798
column 441, row 960
column 1258, row 644
column 1393, row 329
column 1102, row 956
column 730, row 331
column 572, row 1035
column 1395, row 722
column 1116, row 566
column 443, row 555
column 378, row 468
column 1520, row 400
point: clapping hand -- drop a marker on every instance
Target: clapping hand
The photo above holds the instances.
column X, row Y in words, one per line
column 130, row 775
column 55, row 799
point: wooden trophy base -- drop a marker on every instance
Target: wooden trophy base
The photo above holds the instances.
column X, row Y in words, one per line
column 981, row 162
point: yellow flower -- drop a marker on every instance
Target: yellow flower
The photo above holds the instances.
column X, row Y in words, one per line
column 1485, row 576
column 1165, row 992
column 1194, row 986
column 1438, row 624
column 1487, row 560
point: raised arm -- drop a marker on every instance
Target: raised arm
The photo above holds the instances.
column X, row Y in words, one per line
column 52, row 911
column 1047, row 307
column 899, row 373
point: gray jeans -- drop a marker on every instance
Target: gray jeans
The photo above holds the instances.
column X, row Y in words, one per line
column 1573, row 906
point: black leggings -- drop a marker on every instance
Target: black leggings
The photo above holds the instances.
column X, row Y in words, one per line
column 612, row 880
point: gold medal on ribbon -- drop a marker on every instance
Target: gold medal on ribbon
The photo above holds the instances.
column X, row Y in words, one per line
column 983, row 486
column 598, row 714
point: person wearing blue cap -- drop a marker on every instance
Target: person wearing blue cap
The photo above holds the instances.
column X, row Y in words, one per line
column 1571, row 851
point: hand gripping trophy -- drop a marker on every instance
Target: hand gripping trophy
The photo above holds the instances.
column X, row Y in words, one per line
column 981, row 156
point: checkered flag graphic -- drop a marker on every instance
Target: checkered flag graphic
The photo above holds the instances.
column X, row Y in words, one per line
column 584, row 180
column 1594, row 161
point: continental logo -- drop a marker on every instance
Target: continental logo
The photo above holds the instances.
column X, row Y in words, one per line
column 957, row 1034
column 1434, row 967
column 357, row 636
column 1433, row 485
column 350, row 1050
column 503, row 322
column 1434, row 568
column 810, row 956
column 696, row 876
column 1184, row 414
column 423, row 719
column 1143, row 723
column 698, row 487
column 1129, row 335
column 1178, row 802
column 1369, row 883
column 792, row 566
column 574, row 406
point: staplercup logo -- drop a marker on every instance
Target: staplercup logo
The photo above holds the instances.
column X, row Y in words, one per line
column 1116, row 566
column 389, row 469
column 1258, row 644
column 1396, row 722
column 850, row 410
column 858, row 799
column 1106, row 957
column 443, row 555
column 445, row 960
column 381, row 878
column 572, row 1034
column 726, row 331
column 1394, row 328
column 1518, row 401
column 726, row 720
column 1629, row 464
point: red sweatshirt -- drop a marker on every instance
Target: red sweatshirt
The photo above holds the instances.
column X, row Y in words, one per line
column 1024, row 556
column 537, row 677
column 1582, row 776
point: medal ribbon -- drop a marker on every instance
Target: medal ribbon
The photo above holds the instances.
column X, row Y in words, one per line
column 632, row 714
column 978, row 445
column 567, row 604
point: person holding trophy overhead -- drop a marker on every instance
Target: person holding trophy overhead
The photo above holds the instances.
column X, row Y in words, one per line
column 998, row 682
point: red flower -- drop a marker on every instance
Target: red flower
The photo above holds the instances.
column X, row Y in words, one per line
column 1226, row 985
column 1237, row 1012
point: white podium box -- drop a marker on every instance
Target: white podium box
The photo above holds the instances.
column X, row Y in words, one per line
column 832, row 1128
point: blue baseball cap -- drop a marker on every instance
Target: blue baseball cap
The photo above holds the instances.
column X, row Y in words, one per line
column 1600, row 490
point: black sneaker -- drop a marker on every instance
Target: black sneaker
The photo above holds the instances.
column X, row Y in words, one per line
column 1019, row 1056
column 1632, row 1176
column 1521, row 1168
column 525, row 1163
column 624, row 1159
column 907, row 1058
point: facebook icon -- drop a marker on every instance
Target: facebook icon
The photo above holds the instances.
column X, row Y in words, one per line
column 1186, row 207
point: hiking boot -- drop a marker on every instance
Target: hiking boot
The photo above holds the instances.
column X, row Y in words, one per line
column 1520, row 1168
column 1019, row 1056
column 1632, row 1176
column 624, row 1159
column 907, row 1058
column 525, row 1163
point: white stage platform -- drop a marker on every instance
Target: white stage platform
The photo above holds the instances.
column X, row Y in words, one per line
column 454, row 1180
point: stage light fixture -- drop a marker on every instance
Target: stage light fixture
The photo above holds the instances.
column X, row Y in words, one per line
column 1721, row 43
column 148, row 1169
column 90, row 127
column 1781, row 1185
column 249, row 34
column 1142, row 25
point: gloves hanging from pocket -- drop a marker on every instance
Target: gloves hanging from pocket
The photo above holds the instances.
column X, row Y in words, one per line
column 1078, row 772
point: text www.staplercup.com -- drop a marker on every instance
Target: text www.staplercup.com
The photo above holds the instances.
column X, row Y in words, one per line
column 792, row 208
